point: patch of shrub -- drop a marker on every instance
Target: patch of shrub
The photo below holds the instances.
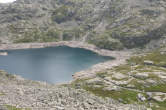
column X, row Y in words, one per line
column 37, row 36
column 68, row 35
column 105, row 41
column 73, row 34
column 62, row 14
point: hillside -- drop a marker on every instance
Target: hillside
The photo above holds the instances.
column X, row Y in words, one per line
column 109, row 24
column 131, row 31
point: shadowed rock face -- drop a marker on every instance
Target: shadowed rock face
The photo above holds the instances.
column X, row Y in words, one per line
column 110, row 24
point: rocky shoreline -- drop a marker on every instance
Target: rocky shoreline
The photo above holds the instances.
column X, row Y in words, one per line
column 31, row 95
column 106, row 78
column 120, row 56
column 35, row 95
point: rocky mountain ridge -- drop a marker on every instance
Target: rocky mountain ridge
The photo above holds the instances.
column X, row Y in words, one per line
column 109, row 24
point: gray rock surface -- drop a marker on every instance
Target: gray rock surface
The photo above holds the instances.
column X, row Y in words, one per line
column 33, row 95
column 117, row 23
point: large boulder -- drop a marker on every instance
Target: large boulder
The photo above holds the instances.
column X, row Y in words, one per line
column 148, row 62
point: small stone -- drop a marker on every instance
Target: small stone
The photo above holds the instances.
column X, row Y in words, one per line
column 141, row 97
column 59, row 108
column 141, row 75
column 130, row 86
column 112, row 88
column 158, row 98
column 90, row 101
column 148, row 62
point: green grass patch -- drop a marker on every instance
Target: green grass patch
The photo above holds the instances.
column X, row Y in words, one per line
column 127, row 96
column 9, row 107
column 158, row 59
column 137, row 85
column 162, row 69
column 123, row 69
column 51, row 35
column 1, row 94
column 158, row 105
column 156, row 88
column 154, row 76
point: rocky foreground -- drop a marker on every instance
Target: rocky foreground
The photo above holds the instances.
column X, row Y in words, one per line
column 16, row 92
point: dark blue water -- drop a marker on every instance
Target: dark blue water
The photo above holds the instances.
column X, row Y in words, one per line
column 53, row 65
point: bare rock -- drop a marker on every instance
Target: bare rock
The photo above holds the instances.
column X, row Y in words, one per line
column 141, row 75
column 119, row 76
column 148, row 62
column 141, row 97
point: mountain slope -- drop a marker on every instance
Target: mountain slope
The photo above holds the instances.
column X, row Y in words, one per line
column 110, row 24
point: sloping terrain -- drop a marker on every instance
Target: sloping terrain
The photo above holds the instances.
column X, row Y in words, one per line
column 109, row 24
column 142, row 80
column 138, row 84
column 19, row 94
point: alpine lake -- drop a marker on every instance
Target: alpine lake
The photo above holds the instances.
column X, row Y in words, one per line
column 51, row 64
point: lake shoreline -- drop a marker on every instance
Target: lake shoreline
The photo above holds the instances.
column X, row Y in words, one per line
column 120, row 56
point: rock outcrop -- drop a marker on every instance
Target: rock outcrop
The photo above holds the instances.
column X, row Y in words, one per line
column 109, row 24
column 25, row 94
